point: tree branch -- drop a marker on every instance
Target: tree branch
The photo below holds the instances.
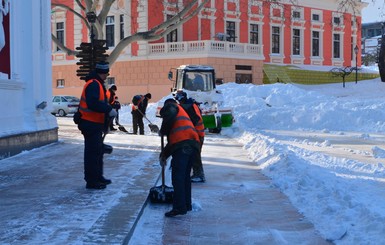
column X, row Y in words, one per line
column 73, row 11
column 63, row 47
column 80, row 5
column 159, row 31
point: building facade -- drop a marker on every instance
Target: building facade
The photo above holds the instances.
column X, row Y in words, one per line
column 25, row 76
column 236, row 37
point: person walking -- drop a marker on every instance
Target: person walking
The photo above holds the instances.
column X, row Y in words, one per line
column 139, row 107
column 195, row 114
column 117, row 107
column 111, row 97
column 94, row 109
column 183, row 145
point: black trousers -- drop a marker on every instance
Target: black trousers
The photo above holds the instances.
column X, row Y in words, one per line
column 93, row 156
column 181, row 163
column 137, row 121
column 197, row 165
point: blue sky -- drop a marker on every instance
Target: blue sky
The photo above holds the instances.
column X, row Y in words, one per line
column 374, row 12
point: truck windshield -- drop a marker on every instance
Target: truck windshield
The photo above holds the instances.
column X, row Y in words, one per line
column 198, row 81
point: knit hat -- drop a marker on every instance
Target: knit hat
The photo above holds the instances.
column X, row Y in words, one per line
column 102, row 68
column 113, row 87
column 180, row 95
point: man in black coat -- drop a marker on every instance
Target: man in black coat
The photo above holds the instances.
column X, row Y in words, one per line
column 140, row 103
column 95, row 115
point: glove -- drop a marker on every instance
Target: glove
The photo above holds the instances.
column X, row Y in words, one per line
column 136, row 107
column 162, row 160
column 112, row 113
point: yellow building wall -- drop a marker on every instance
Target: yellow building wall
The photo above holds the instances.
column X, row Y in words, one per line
column 150, row 76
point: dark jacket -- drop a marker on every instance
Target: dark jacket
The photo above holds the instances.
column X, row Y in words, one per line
column 143, row 105
column 188, row 107
column 168, row 114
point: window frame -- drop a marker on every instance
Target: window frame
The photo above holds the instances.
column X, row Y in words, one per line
column 254, row 34
column 110, row 31
column 60, row 37
column 60, row 83
column 275, row 37
column 315, row 40
column 172, row 37
column 336, row 46
column 231, row 29
column 296, row 42
column 121, row 26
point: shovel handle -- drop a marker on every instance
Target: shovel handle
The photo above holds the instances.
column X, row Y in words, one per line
column 163, row 167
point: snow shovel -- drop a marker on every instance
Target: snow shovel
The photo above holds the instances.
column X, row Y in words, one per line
column 163, row 193
column 153, row 127
column 121, row 128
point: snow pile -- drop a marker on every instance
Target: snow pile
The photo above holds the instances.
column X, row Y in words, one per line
column 310, row 141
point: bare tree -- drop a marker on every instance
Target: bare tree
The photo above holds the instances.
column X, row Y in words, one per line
column 153, row 34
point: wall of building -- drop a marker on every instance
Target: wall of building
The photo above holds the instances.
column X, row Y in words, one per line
column 138, row 71
column 150, row 76
column 24, row 124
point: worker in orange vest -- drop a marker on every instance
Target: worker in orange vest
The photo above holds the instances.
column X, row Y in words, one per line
column 195, row 114
column 111, row 98
column 183, row 145
column 95, row 116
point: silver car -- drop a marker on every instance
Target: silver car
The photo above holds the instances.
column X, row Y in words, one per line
column 64, row 104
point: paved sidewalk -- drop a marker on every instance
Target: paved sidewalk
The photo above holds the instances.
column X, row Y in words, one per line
column 237, row 205
column 43, row 199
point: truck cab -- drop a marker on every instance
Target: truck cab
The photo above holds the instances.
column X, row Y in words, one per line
column 198, row 81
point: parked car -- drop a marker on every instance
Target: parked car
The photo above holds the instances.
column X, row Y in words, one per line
column 64, row 104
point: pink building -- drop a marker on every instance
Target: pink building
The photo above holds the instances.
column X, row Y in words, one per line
column 236, row 37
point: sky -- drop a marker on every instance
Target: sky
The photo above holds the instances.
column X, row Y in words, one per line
column 374, row 12
column 323, row 146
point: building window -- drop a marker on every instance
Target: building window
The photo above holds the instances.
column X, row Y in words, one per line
column 315, row 43
column 296, row 42
column 60, row 33
column 110, row 32
column 121, row 26
column 243, row 78
column 110, row 81
column 60, row 83
column 172, row 36
column 296, row 15
column 336, row 20
column 254, row 39
column 230, row 31
column 336, row 46
column 275, row 40
column 315, row 17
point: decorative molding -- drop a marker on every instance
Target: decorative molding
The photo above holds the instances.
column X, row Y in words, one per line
column 11, row 85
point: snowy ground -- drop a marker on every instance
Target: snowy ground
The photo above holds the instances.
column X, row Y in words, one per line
column 323, row 146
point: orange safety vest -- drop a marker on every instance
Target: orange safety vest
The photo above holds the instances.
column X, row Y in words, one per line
column 108, row 94
column 183, row 128
column 87, row 114
column 139, row 101
column 200, row 127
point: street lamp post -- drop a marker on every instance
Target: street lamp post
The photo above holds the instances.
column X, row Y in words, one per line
column 356, row 52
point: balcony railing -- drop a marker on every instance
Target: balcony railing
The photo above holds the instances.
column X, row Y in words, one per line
column 207, row 47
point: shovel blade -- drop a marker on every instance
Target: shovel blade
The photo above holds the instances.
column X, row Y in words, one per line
column 123, row 129
column 154, row 128
column 161, row 194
